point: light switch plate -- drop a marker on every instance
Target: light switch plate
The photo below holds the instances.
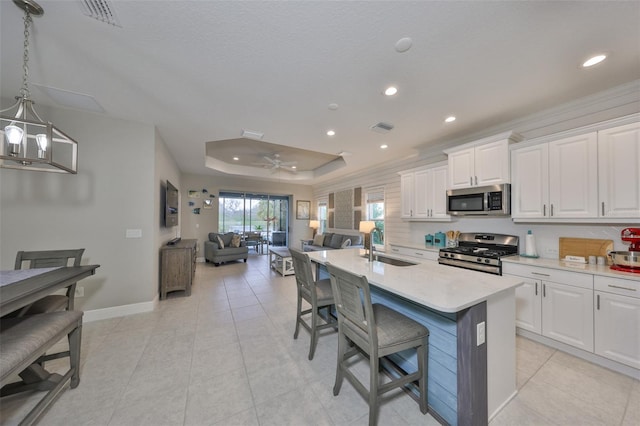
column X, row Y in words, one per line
column 480, row 333
column 133, row 233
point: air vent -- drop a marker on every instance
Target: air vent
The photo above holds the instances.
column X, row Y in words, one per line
column 382, row 127
column 102, row 10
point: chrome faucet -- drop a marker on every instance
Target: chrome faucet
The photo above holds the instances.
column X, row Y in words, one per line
column 371, row 247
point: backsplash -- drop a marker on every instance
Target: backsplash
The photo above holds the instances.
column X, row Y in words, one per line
column 546, row 234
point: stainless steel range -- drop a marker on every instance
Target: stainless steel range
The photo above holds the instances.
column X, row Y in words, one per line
column 481, row 252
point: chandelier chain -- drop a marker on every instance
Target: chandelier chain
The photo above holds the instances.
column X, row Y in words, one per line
column 24, row 91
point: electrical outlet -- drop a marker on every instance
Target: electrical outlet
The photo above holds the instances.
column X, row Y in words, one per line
column 79, row 291
column 480, row 333
column 552, row 252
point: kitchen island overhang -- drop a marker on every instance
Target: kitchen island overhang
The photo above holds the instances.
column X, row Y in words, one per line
column 469, row 381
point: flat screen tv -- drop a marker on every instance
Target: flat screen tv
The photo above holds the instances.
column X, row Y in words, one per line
column 172, row 202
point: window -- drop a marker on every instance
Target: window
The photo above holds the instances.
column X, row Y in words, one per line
column 241, row 212
column 374, row 198
column 322, row 215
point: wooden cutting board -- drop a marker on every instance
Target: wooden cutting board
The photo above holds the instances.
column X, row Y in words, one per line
column 584, row 247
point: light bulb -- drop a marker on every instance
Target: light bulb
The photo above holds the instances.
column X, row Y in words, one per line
column 41, row 139
column 13, row 134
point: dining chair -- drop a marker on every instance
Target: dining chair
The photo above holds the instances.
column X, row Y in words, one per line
column 378, row 331
column 317, row 293
column 49, row 259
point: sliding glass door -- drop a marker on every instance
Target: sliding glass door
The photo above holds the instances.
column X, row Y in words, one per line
column 243, row 212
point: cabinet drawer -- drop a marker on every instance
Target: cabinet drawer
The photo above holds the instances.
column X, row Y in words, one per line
column 617, row 286
column 413, row 252
column 553, row 275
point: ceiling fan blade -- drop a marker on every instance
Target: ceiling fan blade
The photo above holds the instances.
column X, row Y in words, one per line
column 271, row 160
column 288, row 163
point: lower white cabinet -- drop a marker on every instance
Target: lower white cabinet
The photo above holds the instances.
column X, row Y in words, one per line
column 617, row 320
column 567, row 314
column 529, row 305
column 415, row 253
column 557, row 304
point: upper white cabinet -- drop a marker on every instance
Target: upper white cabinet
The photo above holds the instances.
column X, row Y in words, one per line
column 481, row 163
column 424, row 193
column 595, row 175
column 619, row 171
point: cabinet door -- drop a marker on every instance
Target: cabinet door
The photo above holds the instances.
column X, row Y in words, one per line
column 529, row 305
column 438, row 193
column 461, row 168
column 573, row 177
column 420, row 194
column 619, row 171
column 567, row 314
column 406, row 195
column 617, row 328
column 491, row 164
column 530, row 182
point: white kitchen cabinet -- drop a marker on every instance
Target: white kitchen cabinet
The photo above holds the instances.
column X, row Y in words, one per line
column 557, row 304
column 406, row 195
column 482, row 165
column 423, row 194
column 530, row 182
column 619, row 171
column 617, row 320
column 573, row 177
column 529, row 306
column 567, row 314
column 556, row 180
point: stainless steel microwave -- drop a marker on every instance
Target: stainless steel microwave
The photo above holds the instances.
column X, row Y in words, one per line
column 493, row 200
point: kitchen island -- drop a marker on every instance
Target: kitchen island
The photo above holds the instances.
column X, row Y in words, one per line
column 470, row 380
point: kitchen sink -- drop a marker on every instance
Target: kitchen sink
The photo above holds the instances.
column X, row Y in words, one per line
column 391, row 260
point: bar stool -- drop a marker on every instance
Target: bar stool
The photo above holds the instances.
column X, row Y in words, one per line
column 317, row 293
column 377, row 331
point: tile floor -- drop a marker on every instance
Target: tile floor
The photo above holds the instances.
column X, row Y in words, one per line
column 226, row 356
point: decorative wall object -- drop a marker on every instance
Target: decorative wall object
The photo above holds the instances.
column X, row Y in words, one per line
column 191, row 204
column 357, row 217
column 207, row 204
column 331, row 203
column 330, row 220
column 196, row 210
column 194, row 194
column 303, row 207
column 357, row 197
column 344, row 210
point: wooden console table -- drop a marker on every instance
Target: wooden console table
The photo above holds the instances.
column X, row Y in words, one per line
column 280, row 259
column 177, row 267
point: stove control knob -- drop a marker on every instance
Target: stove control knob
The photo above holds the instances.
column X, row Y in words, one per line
column 487, row 261
column 479, row 260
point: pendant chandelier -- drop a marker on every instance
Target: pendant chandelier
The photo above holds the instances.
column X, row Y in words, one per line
column 28, row 142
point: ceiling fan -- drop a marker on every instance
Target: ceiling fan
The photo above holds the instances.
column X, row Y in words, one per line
column 275, row 163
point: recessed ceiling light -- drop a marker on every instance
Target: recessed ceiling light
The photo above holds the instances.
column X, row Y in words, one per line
column 390, row 91
column 384, row 146
column 333, row 107
column 294, row 167
column 331, row 132
column 450, row 119
column 235, row 158
column 594, row 60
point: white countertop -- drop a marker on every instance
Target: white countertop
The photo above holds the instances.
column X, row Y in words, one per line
column 603, row 270
column 440, row 287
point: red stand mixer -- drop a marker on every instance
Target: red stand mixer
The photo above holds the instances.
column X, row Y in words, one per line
column 628, row 261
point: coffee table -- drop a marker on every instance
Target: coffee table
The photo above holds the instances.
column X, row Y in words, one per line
column 280, row 259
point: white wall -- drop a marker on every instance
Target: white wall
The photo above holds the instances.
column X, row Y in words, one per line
column 617, row 102
column 199, row 225
column 114, row 190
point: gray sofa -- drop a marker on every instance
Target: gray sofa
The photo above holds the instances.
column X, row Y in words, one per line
column 333, row 241
column 213, row 253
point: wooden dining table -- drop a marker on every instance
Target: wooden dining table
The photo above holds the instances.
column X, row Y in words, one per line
column 22, row 287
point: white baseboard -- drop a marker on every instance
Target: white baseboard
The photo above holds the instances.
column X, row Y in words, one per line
column 121, row 311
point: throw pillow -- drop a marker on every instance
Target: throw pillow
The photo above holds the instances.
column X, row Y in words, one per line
column 318, row 239
column 327, row 239
column 235, row 241
column 336, row 241
column 346, row 243
column 220, row 242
